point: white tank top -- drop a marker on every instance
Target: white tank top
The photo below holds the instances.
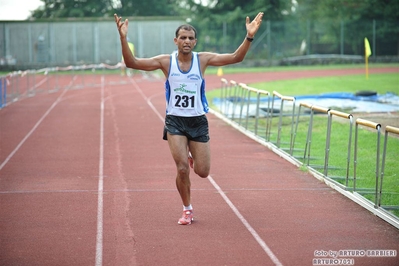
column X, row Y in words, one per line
column 185, row 91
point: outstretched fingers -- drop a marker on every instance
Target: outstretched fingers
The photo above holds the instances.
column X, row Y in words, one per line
column 253, row 26
column 119, row 22
column 259, row 17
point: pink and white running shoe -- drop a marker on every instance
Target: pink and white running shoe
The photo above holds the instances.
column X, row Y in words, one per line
column 187, row 217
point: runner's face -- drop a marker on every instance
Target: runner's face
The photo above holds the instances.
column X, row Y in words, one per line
column 185, row 41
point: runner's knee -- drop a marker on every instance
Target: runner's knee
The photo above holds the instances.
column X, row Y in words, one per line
column 183, row 170
column 204, row 173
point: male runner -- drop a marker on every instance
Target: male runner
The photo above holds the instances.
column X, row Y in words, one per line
column 186, row 126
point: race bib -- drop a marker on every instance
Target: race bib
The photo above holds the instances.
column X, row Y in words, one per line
column 184, row 96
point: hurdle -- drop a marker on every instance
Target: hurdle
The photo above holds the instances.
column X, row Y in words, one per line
column 393, row 130
column 279, row 127
column 376, row 126
column 332, row 113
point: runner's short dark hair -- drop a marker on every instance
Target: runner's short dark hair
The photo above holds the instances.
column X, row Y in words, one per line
column 187, row 27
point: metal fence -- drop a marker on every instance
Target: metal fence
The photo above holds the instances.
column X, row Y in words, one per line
column 28, row 45
column 31, row 44
column 23, row 84
column 288, row 127
column 294, row 40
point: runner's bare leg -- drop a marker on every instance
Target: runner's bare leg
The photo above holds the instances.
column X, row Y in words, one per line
column 201, row 156
column 200, row 152
column 178, row 148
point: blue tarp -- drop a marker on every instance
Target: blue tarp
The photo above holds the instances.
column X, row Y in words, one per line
column 388, row 102
column 388, row 97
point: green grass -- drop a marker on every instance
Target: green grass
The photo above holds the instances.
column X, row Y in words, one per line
column 338, row 153
column 381, row 83
column 366, row 162
column 232, row 69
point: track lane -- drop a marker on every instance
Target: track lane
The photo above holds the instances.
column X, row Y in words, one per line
column 48, row 190
column 150, row 198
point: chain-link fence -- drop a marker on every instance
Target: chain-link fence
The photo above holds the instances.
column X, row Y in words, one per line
column 39, row 44
column 43, row 44
column 293, row 41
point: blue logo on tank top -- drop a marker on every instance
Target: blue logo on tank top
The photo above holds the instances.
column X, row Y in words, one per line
column 194, row 77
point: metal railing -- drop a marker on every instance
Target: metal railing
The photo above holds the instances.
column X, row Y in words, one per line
column 282, row 136
column 18, row 85
column 388, row 130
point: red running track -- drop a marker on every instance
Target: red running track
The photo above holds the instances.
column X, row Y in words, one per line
column 86, row 179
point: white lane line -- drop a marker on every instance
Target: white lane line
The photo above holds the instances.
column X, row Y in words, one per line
column 226, row 199
column 148, row 100
column 100, row 199
column 36, row 125
column 245, row 223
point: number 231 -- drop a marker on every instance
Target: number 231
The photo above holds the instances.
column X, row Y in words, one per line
column 184, row 101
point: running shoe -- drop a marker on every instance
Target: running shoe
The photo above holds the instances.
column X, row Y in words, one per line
column 190, row 160
column 187, row 218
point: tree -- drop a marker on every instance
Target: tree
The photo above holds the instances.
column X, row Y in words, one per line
column 72, row 8
column 221, row 24
column 147, row 8
column 357, row 17
column 273, row 9
column 104, row 8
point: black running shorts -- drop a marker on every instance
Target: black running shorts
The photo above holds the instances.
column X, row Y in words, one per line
column 194, row 128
